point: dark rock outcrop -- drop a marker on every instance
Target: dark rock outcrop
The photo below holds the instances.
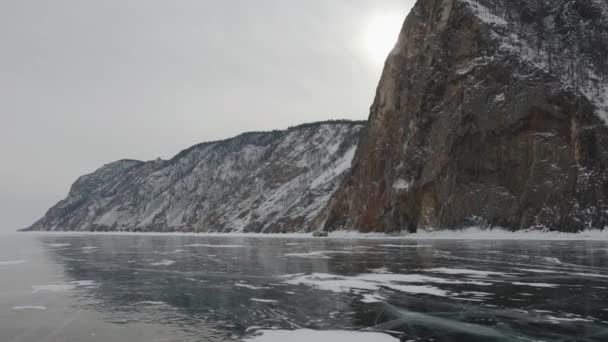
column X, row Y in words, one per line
column 276, row 181
column 488, row 112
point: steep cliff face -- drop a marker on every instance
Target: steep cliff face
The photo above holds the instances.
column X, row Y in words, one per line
column 488, row 112
column 257, row 182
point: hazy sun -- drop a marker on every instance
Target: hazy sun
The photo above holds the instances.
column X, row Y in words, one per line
column 381, row 35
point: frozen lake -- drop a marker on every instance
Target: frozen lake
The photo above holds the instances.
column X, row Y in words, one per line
column 195, row 288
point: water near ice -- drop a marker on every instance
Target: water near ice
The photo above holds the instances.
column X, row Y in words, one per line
column 217, row 288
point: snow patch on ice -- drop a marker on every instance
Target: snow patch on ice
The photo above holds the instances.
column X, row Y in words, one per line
column 251, row 287
column 568, row 319
column 271, row 301
column 213, row 246
column 381, row 270
column 316, row 254
column 369, row 298
column 405, row 246
column 459, row 271
column 63, row 287
column 592, row 275
column 309, row 255
column 151, row 302
column 58, row 245
column 12, row 262
column 306, row 335
column 29, row 307
column 553, row 260
column 85, row 283
column 164, row 262
column 374, row 282
column 536, row 270
column 543, row 285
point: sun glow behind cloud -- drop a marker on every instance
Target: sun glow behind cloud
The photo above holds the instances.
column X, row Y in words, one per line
column 381, row 35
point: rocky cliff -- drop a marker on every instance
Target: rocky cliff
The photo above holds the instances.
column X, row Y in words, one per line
column 488, row 112
column 257, row 182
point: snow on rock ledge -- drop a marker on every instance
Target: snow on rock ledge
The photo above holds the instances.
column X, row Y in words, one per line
column 573, row 51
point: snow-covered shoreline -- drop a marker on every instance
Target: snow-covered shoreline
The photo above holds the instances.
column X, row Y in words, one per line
column 465, row 234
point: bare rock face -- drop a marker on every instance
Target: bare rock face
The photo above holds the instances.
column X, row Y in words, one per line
column 276, row 181
column 488, row 112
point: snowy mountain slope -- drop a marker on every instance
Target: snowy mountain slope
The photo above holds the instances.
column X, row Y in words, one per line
column 256, row 182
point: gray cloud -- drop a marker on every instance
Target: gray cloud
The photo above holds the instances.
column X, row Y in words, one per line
column 85, row 82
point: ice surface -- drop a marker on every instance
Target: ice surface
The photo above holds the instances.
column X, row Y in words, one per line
column 53, row 288
column 457, row 290
column 29, row 307
column 64, row 287
column 306, row 335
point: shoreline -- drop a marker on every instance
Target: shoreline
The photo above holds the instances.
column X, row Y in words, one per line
column 465, row 234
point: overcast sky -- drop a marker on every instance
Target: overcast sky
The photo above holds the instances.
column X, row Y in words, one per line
column 84, row 83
